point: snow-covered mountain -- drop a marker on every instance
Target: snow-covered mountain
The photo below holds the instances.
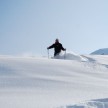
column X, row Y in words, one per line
column 103, row 51
column 72, row 81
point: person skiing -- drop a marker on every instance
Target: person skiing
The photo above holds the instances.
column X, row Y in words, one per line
column 57, row 47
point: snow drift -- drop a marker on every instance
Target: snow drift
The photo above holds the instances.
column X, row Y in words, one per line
column 73, row 82
column 70, row 56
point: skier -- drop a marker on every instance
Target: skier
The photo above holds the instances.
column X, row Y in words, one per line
column 57, row 47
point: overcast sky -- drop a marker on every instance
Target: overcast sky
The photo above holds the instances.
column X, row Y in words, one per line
column 30, row 26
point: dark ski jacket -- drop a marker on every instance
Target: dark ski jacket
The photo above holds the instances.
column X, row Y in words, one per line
column 57, row 48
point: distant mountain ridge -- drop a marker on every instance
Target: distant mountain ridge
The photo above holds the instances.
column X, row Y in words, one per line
column 103, row 51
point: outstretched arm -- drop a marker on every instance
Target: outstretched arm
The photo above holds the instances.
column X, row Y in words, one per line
column 64, row 49
column 52, row 46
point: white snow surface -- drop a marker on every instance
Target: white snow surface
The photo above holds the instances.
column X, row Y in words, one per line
column 72, row 81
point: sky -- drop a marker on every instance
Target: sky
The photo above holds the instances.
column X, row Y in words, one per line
column 30, row 26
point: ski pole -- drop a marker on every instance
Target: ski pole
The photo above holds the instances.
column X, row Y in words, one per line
column 48, row 53
column 65, row 54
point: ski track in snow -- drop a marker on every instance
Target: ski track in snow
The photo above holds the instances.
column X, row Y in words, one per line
column 78, row 81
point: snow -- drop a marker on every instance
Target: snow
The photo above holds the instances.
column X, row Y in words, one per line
column 71, row 56
column 68, row 81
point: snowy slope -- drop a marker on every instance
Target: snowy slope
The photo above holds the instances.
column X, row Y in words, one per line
column 74, row 82
column 103, row 51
